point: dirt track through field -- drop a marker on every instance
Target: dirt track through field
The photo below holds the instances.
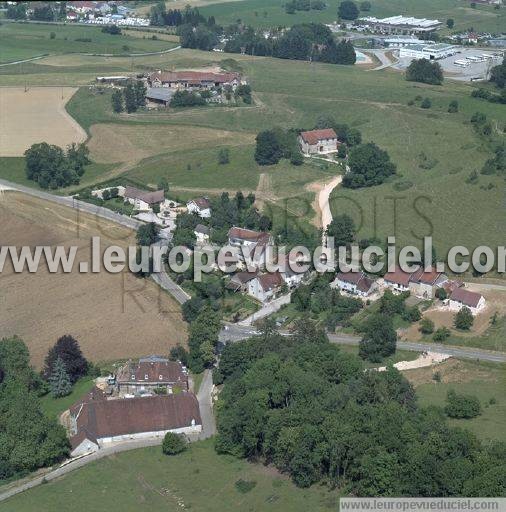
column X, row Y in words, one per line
column 113, row 316
column 37, row 115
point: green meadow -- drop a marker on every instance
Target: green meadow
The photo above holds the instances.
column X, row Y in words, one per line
column 420, row 201
column 197, row 479
column 270, row 13
column 20, row 41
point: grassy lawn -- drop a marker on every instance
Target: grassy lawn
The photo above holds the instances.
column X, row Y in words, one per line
column 494, row 338
column 485, row 381
column 198, row 479
column 400, row 355
column 197, row 381
column 23, row 41
column 418, row 202
column 270, row 13
column 13, row 169
column 53, row 407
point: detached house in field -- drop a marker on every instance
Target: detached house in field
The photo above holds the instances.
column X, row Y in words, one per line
column 151, row 373
column 461, row 297
column 265, row 287
column 356, row 283
column 96, row 422
column 316, row 142
column 193, row 79
column 422, row 283
column 201, row 206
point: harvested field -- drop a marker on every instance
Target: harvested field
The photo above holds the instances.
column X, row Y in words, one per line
column 112, row 315
column 120, row 143
column 37, row 115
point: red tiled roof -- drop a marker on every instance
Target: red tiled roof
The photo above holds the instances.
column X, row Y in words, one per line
column 270, row 281
column 169, row 371
column 466, row 297
column 314, row 136
column 451, row 285
column 247, row 234
column 398, row 276
column 125, row 416
column 350, row 277
column 425, row 277
column 359, row 279
column 244, row 277
column 202, row 202
column 194, row 77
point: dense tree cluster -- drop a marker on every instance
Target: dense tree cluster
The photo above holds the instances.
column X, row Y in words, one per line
column 379, row 339
column 348, row 10
column 67, row 350
column 313, row 412
column 187, row 99
column 462, row 406
column 130, row 98
column 424, row 71
column 306, row 41
column 200, row 37
column 304, row 5
column 203, row 339
column 318, row 298
column 274, row 144
column 490, row 96
column 28, row 438
column 369, row 166
column 52, row 167
column 160, row 16
column 498, row 74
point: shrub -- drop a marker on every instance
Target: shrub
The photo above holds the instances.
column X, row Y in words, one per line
column 426, row 326
column 173, row 444
column 462, row 406
column 245, row 486
column 426, row 103
column 223, row 156
column 441, row 294
column 464, row 319
column 453, row 107
column 441, row 334
column 52, row 35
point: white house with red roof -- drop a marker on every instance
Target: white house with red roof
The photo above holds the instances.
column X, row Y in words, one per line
column 422, row 283
column 320, row 142
column 461, row 297
column 201, row 206
column 356, row 283
column 265, row 287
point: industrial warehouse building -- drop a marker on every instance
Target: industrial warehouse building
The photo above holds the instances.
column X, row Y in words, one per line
column 429, row 52
column 402, row 25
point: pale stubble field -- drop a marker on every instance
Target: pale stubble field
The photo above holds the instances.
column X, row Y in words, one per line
column 114, row 316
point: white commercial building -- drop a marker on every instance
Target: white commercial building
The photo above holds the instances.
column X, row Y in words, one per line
column 429, row 52
column 400, row 24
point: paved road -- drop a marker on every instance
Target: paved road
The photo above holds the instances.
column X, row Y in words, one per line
column 233, row 333
column 204, row 396
column 267, row 309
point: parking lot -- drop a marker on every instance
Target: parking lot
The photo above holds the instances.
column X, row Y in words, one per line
column 475, row 70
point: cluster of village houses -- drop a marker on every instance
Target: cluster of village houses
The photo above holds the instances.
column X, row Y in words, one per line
column 145, row 399
column 150, row 397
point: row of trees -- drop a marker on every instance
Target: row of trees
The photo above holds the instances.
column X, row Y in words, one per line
column 160, row 16
column 130, row 98
column 301, row 404
column 28, row 438
column 52, row 167
column 304, row 5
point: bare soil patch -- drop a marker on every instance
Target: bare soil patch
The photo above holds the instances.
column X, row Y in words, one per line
column 37, row 115
column 113, row 316
column 451, row 370
column 112, row 143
